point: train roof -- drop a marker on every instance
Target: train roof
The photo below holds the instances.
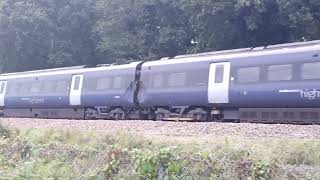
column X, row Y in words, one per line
column 240, row 53
column 66, row 70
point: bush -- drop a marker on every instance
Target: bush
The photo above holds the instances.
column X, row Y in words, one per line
column 54, row 154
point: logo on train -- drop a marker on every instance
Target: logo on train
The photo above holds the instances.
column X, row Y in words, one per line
column 310, row 94
column 304, row 93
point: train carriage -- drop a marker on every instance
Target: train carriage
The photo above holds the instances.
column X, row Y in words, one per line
column 275, row 81
column 75, row 92
column 111, row 94
column 271, row 84
column 38, row 94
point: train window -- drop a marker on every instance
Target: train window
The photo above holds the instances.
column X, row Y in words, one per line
column 248, row 75
column 280, row 72
column 13, row 89
column 310, row 71
column 2, row 87
column 177, row 79
column 147, row 81
column 117, row 82
column 198, row 78
column 61, row 86
column 104, row 83
column 25, row 88
column 219, row 74
column 89, row 84
column 35, row 87
column 157, row 81
column 76, row 83
column 49, row 86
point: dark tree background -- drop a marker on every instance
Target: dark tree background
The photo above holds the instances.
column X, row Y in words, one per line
column 37, row 34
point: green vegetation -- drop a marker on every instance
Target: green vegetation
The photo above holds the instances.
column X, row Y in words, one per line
column 58, row 154
column 37, row 34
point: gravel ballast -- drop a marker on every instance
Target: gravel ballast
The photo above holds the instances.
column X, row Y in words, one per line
column 173, row 128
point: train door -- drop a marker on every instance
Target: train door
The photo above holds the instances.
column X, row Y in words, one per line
column 3, row 87
column 75, row 90
column 219, row 81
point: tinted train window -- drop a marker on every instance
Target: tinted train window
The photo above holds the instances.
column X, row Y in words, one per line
column 25, row 88
column 248, row 75
column 89, row 84
column 2, row 87
column 280, row 72
column 311, row 70
column 61, row 86
column 103, row 84
column 117, row 83
column 219, row 74
column 13, row 88
column 76, row 83
column 157, row 81
column 177, row 79
column 198, row 78
column 35, row 87
column 49, row 86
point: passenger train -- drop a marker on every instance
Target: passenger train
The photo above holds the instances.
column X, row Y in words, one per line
column 270, row 84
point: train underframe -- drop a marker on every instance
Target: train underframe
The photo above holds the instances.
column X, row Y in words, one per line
column 155, row 113
column 178, row 113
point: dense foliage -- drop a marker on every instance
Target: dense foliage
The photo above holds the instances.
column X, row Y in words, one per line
column 36, row 34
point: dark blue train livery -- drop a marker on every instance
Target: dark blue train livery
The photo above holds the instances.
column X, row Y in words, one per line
column 271, row 84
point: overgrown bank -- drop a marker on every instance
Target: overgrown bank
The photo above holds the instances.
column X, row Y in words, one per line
column 58, row 154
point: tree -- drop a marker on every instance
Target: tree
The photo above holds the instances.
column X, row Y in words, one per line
column 37, row 34
column 45, row 33
column 227, row 24
column 144, row 30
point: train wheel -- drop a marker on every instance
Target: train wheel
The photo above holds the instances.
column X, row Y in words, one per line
column 217, row 118
column 198, row 117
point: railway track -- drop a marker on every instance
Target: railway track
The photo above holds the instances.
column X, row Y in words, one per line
column 165, row 128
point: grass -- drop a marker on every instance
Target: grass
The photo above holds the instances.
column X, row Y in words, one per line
column 60, row 154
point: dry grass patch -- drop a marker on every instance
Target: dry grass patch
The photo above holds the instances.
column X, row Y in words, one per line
column 65, row 154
